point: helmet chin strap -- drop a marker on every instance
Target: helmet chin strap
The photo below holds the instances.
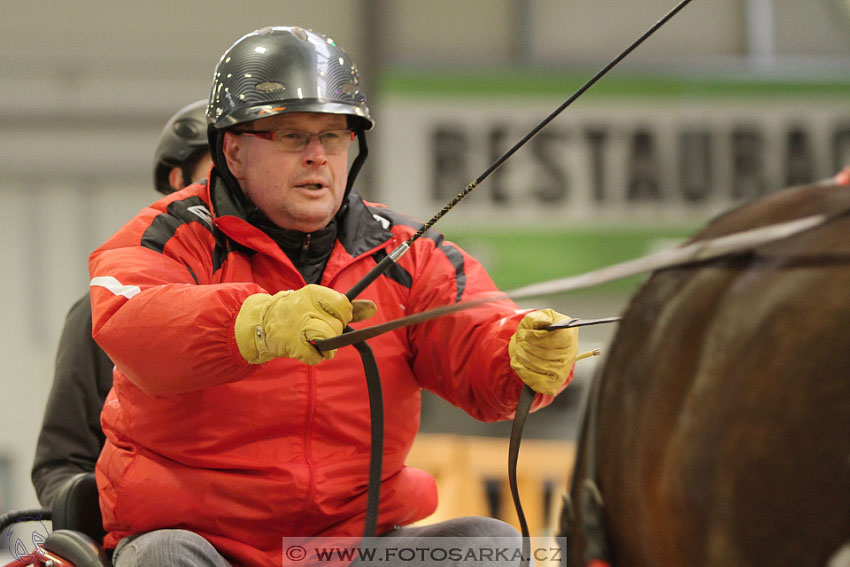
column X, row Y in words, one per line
column 362, row 154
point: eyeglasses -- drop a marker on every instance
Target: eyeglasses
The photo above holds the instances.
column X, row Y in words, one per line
column 333, row 141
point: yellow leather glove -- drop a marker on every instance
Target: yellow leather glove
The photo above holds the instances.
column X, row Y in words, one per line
column 283, row 324
column 543, row 359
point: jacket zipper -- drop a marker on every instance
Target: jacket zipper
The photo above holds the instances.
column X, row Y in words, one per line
column 308, row 450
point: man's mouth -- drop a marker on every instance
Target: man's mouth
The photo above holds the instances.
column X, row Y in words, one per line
column 311, row 186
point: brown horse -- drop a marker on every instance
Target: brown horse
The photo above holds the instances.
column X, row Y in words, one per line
column 721, row 418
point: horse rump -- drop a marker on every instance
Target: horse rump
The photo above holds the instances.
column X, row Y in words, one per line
column 722, row 418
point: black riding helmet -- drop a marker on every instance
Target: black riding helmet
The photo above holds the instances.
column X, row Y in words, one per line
column 181, row 142
column 284, row 69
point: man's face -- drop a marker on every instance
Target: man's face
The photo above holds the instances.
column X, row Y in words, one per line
column 295, row 190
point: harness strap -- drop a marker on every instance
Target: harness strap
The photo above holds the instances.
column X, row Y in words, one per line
column 597, row 551
column 376, row 413
column 694, row 253
column 526, row 398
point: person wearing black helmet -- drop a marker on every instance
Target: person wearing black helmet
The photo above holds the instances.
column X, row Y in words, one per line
column 182, row 154
column 227, row 431
column 70, row 439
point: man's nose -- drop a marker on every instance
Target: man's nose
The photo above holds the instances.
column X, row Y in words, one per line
column 315, row 151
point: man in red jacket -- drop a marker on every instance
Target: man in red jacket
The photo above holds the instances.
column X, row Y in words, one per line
column 227, row 431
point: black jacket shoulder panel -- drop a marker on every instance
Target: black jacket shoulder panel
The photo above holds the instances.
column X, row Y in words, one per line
column 179, row 213
column 361, row 228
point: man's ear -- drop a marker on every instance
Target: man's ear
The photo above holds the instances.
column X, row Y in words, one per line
column 233, row 151
column 175, row 178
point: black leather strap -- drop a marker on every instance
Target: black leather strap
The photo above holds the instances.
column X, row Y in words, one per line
column 376, row 412
column 526, row 398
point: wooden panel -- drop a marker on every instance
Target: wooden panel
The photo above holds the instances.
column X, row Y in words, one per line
column 472, row 477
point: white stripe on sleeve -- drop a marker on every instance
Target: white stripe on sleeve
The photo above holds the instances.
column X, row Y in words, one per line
column 115, row 286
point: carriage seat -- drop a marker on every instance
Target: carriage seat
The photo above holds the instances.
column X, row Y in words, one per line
column 77, row 524
column 77, row 507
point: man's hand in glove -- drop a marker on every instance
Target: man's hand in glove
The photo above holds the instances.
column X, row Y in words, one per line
column 543, row 359
column 284, row 324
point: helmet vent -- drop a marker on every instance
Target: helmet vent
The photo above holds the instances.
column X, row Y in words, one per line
column 270, row 86
column 185, row 129
column 299, row 33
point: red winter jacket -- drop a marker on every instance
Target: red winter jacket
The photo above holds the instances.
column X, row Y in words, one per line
column 243, row 454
